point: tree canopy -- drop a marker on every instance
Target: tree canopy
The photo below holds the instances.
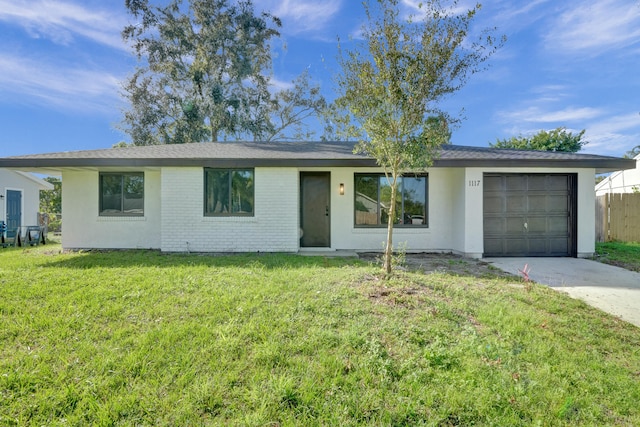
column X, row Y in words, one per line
column 555, row 140
column 205, row 74
column 392, row 84
column 631, row 154
column 51, row 200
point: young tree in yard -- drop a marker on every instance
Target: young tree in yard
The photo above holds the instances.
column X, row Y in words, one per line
column 205, row 74
column 555, row 140
column 390, row 88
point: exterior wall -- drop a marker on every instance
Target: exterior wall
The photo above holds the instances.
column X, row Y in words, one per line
column 174, row 218
column 11, row 180
column 436, row 237
column 627, row 181
column 82, row 227
column 273, row 228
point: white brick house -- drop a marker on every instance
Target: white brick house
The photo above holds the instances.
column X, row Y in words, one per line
column 293, row 196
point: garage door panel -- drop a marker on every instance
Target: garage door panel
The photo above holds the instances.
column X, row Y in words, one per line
column 558, row 225
column 515, row 183
column 516, row 203
column 541, row 201
column 494, row 204
column 559, row 246
column 496, row 224
column 558, row 181
column 537, row 203
column 537, row 246
column 516, row 246
column 494, row 246
column 515, row 225
column 557, row 203
column 493, row 183
column 537, row 182
column 537, row 225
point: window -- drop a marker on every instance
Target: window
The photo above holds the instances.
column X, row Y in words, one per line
column 228, row 192
column 373, row 194
column 122, row 194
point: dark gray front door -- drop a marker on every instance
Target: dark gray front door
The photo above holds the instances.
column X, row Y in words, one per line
column 530, row 214
column 315, row 220
column 14, row 211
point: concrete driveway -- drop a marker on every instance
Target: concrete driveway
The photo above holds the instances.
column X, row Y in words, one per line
column 611, row 289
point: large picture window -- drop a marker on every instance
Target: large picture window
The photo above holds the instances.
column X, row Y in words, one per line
column 122, row 194
column 228, row 192
column 373, row 196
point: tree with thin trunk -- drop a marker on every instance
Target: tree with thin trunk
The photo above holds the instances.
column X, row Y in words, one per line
column 390, row 86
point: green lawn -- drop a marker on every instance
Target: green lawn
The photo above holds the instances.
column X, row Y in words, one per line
column 625, row 255
column 149, row 339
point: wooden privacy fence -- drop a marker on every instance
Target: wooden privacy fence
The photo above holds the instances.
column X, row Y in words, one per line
column 618, row 217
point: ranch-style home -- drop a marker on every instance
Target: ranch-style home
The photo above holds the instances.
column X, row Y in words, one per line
column 320, row 196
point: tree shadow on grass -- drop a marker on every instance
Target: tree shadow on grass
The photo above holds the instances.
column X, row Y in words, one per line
column 153, row 258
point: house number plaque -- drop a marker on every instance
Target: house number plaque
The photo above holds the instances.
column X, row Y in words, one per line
column 474, row 183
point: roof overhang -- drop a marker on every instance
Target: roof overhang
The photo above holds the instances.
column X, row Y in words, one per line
column 297, row 154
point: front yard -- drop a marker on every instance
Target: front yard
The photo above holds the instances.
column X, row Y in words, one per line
column 143, row 338
column 621, row 254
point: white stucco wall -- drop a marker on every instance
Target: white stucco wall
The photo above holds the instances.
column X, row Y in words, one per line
column 30, row 188
column 82, row 227
column 273, row 228
column 627, row 181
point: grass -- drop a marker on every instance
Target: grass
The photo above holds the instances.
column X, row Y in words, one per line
column 143, row 338
column 622, row 254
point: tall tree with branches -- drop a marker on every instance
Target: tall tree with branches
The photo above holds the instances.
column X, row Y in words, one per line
column 205, row 74
column 391, row 86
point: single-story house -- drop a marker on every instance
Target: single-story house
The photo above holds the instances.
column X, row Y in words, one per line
column 622, row 181
column 303, row 196
column 20, row 199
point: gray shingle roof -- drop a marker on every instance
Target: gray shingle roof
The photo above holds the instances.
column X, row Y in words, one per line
column 302, row 154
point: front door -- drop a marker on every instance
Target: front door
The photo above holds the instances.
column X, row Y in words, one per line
column 14, row 211
column 315, row 220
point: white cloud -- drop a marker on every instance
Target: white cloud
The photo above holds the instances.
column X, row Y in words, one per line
column 595, row 26
column 69, row 87
column 538, row 115
column 63, row 21
column 302, row 15
column 614, row 135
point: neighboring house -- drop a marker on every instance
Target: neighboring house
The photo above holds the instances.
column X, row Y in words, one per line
column 622, row 181
column 295, row 196
column 20, row 199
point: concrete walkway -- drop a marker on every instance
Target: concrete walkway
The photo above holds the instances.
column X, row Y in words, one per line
column 611, row 289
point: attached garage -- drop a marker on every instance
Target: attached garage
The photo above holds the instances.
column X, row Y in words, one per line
column 531, row 214
column 321, row 196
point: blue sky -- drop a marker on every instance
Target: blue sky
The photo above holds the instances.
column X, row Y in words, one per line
column 566, row 63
